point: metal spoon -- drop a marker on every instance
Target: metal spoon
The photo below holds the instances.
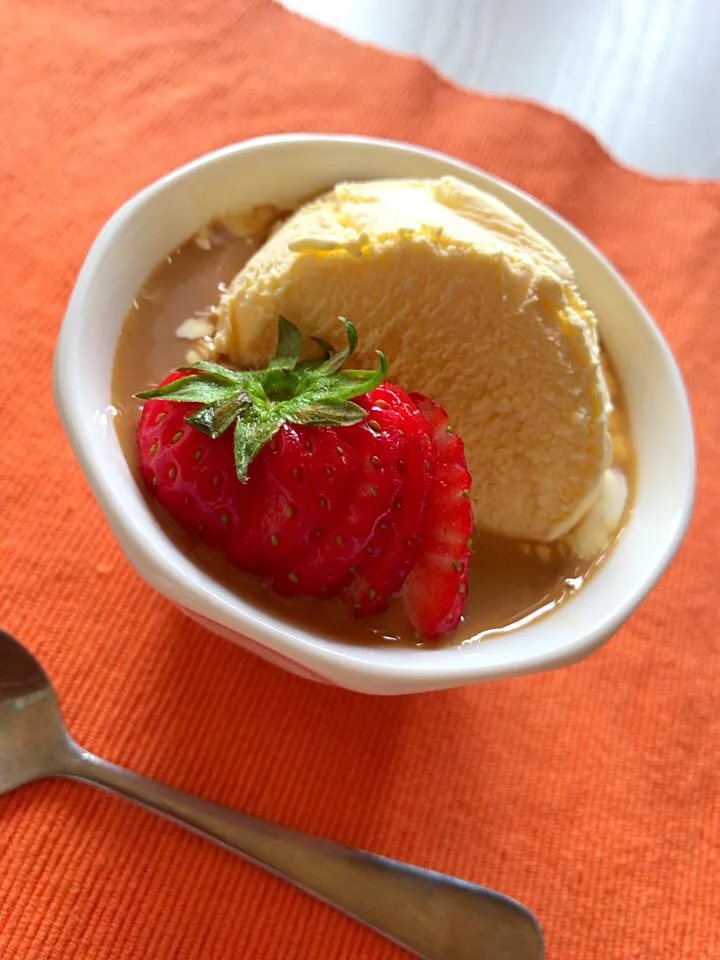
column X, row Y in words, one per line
column 435, row 916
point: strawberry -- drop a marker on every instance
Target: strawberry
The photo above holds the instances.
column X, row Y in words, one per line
column 371, row 454
column 329, row 482
column 308, row 488
column 398, row 536
column 436, row 589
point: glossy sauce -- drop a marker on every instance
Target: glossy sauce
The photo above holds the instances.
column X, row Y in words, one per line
column 510, row 582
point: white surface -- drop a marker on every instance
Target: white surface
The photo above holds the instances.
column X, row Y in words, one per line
column 643, row 75
column 157, row 220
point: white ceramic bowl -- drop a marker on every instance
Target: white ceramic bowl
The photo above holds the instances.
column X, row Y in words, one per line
column 284, row 168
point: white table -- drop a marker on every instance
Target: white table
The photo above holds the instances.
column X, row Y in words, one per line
column 643, row 75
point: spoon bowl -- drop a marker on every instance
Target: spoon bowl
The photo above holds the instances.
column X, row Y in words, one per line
column 33, row 741
column 434, row 916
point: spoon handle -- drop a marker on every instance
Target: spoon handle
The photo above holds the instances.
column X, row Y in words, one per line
column 433, row 915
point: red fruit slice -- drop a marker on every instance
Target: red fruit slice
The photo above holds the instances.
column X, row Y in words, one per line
column 436, row 590
column 324, row 481
column 398, row 535
column 189, row 474
column 301, row 484
column 372, row 457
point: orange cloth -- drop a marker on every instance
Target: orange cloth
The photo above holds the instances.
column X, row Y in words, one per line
column 592, row 793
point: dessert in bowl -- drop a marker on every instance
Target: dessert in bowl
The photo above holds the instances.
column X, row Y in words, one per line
column 292, row 493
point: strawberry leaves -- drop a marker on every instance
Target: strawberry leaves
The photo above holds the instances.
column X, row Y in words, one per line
column 337, row 360
column 193, row 389
column 289, row 346
column 330, row 413
column 316, row 392
column 215, row 419
column 251, row 435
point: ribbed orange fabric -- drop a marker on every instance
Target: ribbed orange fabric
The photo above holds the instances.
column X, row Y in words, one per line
column 592, row 793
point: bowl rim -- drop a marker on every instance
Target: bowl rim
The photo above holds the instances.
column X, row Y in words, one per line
column 424, row 671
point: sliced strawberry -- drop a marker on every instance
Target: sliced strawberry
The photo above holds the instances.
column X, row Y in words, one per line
column 436, row 590
column 396, row 543
column 188, row 472
column 302, row 489
column 320, row 495
column 347, row 541
column 302, row 484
